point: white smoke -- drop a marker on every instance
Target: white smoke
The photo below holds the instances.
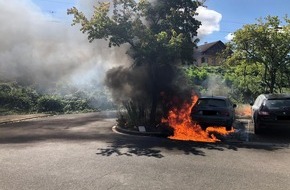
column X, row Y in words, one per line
column 215, row 85
column 37, row 48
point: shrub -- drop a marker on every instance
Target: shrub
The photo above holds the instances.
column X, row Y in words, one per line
column 50, row 104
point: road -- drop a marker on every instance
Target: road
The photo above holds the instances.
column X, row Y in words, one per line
column 82, row 152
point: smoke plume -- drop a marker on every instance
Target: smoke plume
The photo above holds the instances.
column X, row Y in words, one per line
column 37, row 48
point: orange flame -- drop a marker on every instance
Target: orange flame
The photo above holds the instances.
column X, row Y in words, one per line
column 185, row 129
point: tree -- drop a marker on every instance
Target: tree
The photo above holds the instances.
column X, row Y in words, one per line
column 161, row 34
column 266, row 43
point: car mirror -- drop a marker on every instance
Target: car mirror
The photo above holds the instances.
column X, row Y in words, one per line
column 251, row 103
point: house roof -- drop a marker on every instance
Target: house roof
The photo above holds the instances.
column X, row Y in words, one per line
column 203, row 48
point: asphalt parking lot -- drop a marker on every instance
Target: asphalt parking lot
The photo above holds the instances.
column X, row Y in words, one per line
column 243, row 133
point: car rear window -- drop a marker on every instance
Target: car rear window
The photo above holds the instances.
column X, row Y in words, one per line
column 278, row 103
column 212, row 102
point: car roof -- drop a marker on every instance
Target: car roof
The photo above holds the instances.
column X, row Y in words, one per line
column 214, row 97
column 277, row 96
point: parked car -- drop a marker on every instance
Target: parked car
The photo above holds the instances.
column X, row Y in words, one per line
column 271, row 111
column 214, row 111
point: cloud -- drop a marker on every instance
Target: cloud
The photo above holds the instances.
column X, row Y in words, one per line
column 229, row 37
column 38, row 49
column 210, row 21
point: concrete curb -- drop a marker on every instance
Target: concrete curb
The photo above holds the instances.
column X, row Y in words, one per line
column 130, row 132
column 18, row 118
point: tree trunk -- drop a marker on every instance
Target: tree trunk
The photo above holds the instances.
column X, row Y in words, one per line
column 154, row 91
column 153, row 108
column 272, row 80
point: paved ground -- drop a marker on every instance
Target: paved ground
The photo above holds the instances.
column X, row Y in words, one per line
column 243, row 129
column 80, row 151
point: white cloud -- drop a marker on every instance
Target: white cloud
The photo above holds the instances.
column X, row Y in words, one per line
column 229, row 37
column 210, row 21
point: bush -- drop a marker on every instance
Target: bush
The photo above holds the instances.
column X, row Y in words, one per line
column 50, row 104
column 16, row 98
column 25, row 99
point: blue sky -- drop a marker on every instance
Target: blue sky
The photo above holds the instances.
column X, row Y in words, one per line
column 36, row 37
column 236, row 13
column 233, row 13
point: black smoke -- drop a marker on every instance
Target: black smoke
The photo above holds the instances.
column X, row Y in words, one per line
column 166, row 84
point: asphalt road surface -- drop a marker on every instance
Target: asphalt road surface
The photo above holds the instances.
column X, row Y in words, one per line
column 82, row 152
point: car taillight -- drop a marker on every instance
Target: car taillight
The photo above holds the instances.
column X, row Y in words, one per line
column 263, row 113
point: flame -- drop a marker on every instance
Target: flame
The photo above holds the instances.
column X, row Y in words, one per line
column 185, row 129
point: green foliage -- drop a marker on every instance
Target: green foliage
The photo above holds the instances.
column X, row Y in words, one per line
column 246, row 79
column 19, row 99
column 196, row 74
column 265, row 44
column 14, row 98
column 50, row 104
column 241, row 82
column 159, row 33
column 159, row 29
column 136, row 115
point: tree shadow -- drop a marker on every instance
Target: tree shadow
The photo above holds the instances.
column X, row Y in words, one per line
column 157, row 147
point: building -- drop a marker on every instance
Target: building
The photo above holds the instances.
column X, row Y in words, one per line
column 208, row 53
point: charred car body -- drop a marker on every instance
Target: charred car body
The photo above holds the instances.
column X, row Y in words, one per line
column 214, row 111
column 271, row 111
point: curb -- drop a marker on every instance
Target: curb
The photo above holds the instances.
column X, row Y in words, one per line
column 130, row 132
column 18, row 118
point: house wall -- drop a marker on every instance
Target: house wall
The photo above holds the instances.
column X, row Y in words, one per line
column 210, row 56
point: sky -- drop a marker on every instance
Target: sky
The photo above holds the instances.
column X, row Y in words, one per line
column 236, row 13
column 38, row 43
column 220, row 18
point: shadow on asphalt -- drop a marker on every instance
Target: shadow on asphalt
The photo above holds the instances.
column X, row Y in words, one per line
column 154, row 147
column 73, row 127
column 94, row 127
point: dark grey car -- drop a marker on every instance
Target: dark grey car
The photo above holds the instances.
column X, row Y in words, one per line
column 271, row 111
column 214, row 111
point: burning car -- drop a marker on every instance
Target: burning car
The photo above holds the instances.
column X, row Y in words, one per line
column 271, row 111
column 213, row 111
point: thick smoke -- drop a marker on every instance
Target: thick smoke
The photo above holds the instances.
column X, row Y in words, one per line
column 36, row 48
column 138, row 84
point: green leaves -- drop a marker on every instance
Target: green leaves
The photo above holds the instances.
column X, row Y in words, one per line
column 266, row 43
column 147, row 27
